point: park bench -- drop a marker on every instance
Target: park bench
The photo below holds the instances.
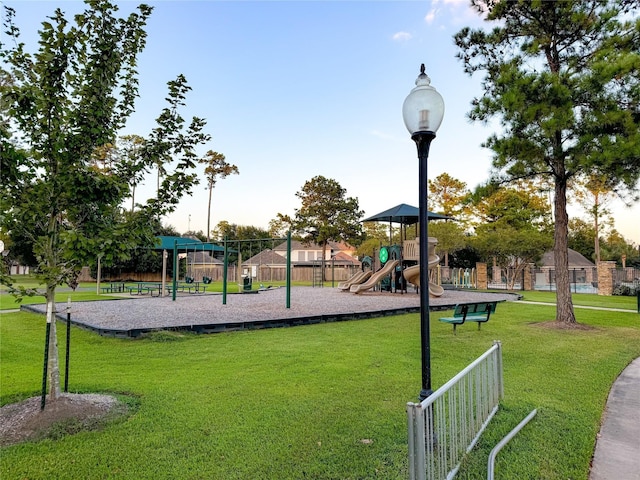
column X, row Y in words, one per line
column 471, row 312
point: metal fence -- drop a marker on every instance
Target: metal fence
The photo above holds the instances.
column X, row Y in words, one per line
column 499, row 278
column 626, row 279
column 447, row 424
column 581, row 280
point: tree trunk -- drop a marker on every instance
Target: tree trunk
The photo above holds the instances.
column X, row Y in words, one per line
column 564, row 305
column 53, row 365
column 209, row 216
column 324, row 251
column 597, row 239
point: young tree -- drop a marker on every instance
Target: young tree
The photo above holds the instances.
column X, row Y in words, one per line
column 60, row 107
column 581, row 234
column 451, row 237
column 216, row 168
column 564, row 78
column 327, row 214
column 594, row 195
column 515, row 227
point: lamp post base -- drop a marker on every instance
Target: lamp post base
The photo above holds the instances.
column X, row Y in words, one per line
column 424, row 394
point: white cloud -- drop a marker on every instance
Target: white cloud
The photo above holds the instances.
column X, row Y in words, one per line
column 456, row 12
column 402, row 36
column 429, row 17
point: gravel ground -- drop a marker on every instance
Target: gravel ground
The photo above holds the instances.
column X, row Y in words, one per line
column 147, row 313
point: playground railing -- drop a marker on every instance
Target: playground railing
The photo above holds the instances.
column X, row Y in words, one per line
column 447, row 424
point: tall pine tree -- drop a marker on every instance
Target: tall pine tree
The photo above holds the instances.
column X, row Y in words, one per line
column 563, row 78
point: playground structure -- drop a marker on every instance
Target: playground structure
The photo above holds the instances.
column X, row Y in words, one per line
column 398, row 257
column 375, row 278
column 407, row 254
column 358, row 278
column 412, row 273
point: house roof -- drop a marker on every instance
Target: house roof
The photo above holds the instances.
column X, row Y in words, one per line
column 298, row 245
column 345, row 258
column 575, row 259
column 203, row 258
column 266, row 257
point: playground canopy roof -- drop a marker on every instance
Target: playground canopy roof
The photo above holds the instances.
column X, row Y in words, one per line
column 405, row 214
column 167, row 243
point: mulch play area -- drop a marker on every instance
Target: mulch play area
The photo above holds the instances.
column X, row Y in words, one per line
column 205, row 313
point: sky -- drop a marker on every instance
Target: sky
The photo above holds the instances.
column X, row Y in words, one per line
column 295, row 89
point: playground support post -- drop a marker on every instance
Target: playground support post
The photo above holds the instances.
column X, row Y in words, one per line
column 225, row 272
column 175, row 271
column 98, row 274
column 289, row 269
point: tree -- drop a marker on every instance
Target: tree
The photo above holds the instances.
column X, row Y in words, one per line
column 449, row 196
column 593, row 194
column 327, row 214
column 520, row 205
column 62, row 108
column 511, row 248
column 564, row 78
column 616, row 246
column 514, row 230
column 451, row 238
column 126, row 154
column 259, row 238
column 216, row 167
column 375, row 234
column 279, row 226
column 581, row 236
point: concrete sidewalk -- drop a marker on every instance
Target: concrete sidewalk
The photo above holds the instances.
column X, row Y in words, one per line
column 617, row 453
column 586, row 307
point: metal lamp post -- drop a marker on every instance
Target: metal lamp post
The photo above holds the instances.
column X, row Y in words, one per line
column 422, row 112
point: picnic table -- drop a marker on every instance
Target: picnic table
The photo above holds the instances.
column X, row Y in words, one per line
column 191, row 287
column 145, row 288
column 114, row 287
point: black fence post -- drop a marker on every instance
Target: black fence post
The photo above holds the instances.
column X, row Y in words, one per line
column 43, row 399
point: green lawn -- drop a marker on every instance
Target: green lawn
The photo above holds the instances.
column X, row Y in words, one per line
column 320, row 402
column 586, row 299
column 86, row 291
